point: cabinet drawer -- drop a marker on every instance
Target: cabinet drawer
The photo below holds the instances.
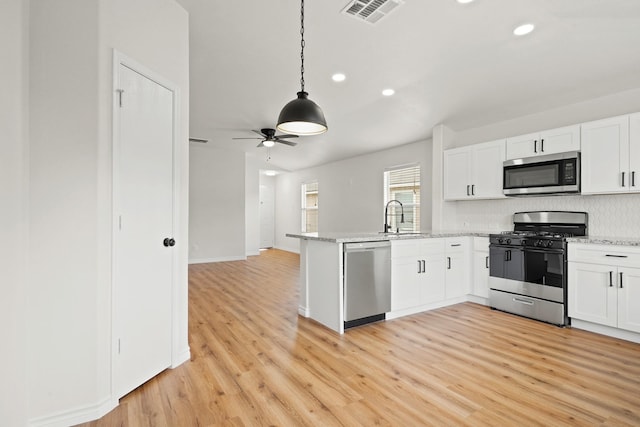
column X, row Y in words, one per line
column 405, row 248
column 624, row 256
column 456, row 244
column 432, row 246
column 481, row 244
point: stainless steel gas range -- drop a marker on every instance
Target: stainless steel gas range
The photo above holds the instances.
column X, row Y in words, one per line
column 528, row 266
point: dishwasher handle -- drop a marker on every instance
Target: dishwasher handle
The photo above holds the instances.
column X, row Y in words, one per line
column 365, row 246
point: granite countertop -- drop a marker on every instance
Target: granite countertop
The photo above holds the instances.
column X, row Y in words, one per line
column 606, row 240
column 340, row 237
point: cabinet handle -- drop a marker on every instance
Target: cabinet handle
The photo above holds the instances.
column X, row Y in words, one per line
column 616, row 256
column 523, row 301
column 535, row 145
column 419, row 266
column 621, row 280
column 468, row 191
column 473, row 189
column 623, row 179
column 448, row 263
column 424, row 266
column 453, row 245
column 542, row 145
column 486, row 262
column 611, row 279
column 633, row 178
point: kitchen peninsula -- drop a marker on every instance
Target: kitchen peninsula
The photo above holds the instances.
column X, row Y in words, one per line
column 429, row 270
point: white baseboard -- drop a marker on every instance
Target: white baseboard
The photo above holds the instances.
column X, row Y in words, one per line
column 606, row 330
column 217, row 259
column 287, row 249
column 182, row 357
column 303, row 311
column 75, row 416
column 253, row 253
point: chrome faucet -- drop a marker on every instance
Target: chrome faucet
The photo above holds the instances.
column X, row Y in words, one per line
column 386, row 215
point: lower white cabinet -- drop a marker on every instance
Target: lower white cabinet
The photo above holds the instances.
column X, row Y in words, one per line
column 457, row 267
column 604, row 285
column 480, row 267
column 417, row 272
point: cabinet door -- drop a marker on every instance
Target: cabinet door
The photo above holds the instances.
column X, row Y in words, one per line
column 605, row 156
column 629, row 299
column 522, row 146
column 481, row 274
column 432, row 281
column 559, row 140
column 592, row 293
column 456, row 277
column 405, row 286
column 457, row 174
column 486, row 170
column 634, row 152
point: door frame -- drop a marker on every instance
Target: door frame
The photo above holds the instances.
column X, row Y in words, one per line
column 120, row 59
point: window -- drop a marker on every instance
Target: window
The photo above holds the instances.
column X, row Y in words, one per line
column 310, row 207
column 403, row 184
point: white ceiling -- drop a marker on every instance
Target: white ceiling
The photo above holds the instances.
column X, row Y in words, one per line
column 448, row 62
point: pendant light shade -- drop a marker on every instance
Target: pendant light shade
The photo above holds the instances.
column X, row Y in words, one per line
column 302, row 116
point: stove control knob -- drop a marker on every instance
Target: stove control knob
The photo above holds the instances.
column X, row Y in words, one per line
column 539, row 243
column 501, row 240
column 549, row 243
column 508, row 241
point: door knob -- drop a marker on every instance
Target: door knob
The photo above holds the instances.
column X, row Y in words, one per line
column 169, row 242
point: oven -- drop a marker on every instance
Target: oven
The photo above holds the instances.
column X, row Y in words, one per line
column 528, row 266
column 548, row 174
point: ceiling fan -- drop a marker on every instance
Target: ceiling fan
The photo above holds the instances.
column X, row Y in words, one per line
column 269, row 138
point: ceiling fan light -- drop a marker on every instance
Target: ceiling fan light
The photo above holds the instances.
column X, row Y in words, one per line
column 302, row 116
column 268, row 143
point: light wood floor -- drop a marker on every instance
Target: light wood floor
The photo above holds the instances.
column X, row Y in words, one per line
column 255, row 362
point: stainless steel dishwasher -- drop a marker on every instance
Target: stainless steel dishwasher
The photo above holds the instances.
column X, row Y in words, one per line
column 367, row 282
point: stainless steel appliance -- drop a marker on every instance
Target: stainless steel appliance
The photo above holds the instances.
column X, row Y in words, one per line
column 367, row 282
column 528, row 266
column 545, row 174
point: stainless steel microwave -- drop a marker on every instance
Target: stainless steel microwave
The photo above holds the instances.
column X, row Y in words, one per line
column 548, row 174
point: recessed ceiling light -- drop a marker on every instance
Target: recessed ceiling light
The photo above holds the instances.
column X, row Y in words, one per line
column 270, row 173
column 338, row 77
column 388, row 92
column 464, row 1
column 268, row 143
column 523, row 29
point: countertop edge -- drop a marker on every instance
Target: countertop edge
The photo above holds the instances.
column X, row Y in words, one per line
column 378, row 237
column 605, row 240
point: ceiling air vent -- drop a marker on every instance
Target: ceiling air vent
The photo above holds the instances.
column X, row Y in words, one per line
column 371, row 11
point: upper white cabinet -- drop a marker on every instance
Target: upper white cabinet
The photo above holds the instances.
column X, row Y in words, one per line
column 551, row 141
column 611, row 155
column 474, row 172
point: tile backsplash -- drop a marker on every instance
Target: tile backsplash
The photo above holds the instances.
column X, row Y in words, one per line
column 609, row 215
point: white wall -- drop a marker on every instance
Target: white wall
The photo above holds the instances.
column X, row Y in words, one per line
column 13, row 210
column 252, row 205
column 609, row 215
column 351, row 196
column 217, row 204
column 69, row 310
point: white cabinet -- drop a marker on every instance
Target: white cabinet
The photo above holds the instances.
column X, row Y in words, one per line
column 457, row 267
column 417, row 272
column 480, row 267
column 604, row 285
column 611, row 155
column 550, row 141
column 474, row 172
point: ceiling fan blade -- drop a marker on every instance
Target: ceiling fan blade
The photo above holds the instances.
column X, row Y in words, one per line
column 286, row 136
column 248, row 138
column 259, row 133
column 261, row 144
column 289, row 143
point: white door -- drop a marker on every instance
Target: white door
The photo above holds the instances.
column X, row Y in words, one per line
column 143, row 203
column 457, row 174
column 593, row 294
column 487, row 169
column 629, row 299
column 267, row 216
column 522, row 146
column 605, row 156
column 559, row 140
column 634, row 152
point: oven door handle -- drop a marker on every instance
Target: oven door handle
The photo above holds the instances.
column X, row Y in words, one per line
column 545, row 251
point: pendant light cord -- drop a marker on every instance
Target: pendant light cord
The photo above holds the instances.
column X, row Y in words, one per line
column 302, row 45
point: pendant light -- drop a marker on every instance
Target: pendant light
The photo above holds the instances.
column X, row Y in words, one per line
column 302, row 116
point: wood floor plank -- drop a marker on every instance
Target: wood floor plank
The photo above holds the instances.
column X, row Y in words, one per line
column 255, row 362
